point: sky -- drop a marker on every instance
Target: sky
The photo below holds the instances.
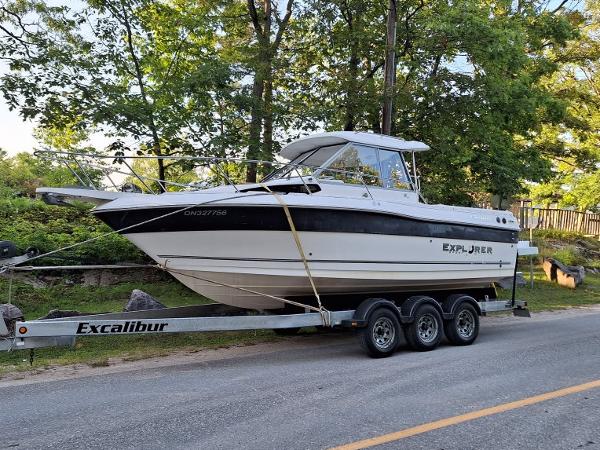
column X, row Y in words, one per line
column 15, row 135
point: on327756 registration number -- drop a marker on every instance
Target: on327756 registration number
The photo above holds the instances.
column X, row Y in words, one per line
column 205, row 212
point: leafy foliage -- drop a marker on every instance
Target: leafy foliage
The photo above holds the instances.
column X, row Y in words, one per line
column 573, row 143
column 503, row 91
column 569, row 255
column 31, row 223
column 23, row 173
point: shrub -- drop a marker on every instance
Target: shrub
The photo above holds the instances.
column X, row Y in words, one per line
column 32, row 223
column 569, row 256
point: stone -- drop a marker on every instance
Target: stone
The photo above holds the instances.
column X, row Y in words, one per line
column 11, row 314
column 141, row 301
column 506, row 283
column 58, row 313
column 568, row 276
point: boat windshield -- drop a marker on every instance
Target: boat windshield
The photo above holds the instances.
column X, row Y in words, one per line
column 350, row 164
column 359, row 164
column 306, row 163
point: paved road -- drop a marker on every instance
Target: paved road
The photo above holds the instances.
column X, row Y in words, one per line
column 322, row 391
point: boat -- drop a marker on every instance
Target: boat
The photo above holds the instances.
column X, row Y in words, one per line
column 344, row 213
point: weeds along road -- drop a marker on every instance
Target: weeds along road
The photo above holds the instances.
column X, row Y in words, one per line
column 321, row 391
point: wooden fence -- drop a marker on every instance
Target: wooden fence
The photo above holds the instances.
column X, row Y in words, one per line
column 558, row 219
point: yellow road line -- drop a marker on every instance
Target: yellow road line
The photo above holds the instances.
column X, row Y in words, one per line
column 424, row 428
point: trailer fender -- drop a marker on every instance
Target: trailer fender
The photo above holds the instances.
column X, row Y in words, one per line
column 451, row 303
column 410, row 306
column 364, row 310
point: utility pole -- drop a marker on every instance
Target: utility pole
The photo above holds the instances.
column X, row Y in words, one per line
column 390, row 69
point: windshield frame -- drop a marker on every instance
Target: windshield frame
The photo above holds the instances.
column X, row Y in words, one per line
column 287, row 169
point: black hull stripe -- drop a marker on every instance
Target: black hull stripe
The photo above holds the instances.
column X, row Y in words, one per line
column 336, row 261
column 267, row 218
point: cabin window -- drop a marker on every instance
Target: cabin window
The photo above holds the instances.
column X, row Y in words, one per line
column 393, row 170
column 355, row 164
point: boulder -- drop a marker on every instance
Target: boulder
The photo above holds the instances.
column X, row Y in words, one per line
column 58, row 313
column 11, row 314
column 140, row 301
column 506, row 283
column 568, row 276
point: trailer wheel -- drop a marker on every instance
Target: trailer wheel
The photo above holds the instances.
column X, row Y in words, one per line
column 381, row 335
column 425, row 331
column 464, row 327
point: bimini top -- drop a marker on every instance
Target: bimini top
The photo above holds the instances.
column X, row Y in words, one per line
column 313, row 141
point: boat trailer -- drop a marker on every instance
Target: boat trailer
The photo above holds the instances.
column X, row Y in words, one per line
column 212, row 317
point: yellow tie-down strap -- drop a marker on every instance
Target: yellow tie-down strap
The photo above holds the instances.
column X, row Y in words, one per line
column 323, row 311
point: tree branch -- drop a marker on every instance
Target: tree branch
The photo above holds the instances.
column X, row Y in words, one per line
column 254, row 17
column 282, row 23
column 560, row 6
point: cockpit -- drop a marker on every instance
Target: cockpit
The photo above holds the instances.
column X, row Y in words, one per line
column 350, row 163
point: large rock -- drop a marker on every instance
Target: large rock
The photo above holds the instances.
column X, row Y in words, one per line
column 11, row 314
column 568, row 276
column 140, row 301
column 59, row 313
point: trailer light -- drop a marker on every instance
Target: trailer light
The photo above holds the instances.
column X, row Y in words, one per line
column 22, row 330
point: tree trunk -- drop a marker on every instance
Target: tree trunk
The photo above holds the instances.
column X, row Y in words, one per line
column 267, row 153
column 352, row 86
column 161, row 175
column 268, row 54
column 255, row 125
column 157, row 150
column 352, row 91
column 390, row 69
column 262, row 90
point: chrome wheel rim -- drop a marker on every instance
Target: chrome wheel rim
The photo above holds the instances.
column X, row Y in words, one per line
column 384, row 333
column 427, row 328
column 465, row 324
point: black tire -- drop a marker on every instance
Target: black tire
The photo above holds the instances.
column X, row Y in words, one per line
column 286, row 331
column 425, row 331
column 463, row 329
column 381, row 336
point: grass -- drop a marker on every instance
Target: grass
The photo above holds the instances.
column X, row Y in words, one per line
column 97, row 351
column 36, row 302
column 547, row 295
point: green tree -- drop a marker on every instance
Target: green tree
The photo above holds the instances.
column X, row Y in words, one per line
column 132, row 68
column 22, row 174
column 468, row 82
column 573, row 144
column 268, row 27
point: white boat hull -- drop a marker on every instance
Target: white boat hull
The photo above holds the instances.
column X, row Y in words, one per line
column 269, row 262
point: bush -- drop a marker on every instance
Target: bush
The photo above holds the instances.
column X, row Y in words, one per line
column 569, row 256
column 32, row 223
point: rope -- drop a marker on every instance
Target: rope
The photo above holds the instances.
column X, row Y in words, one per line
column 325, row 314
column 84, row 267
column 217, row 283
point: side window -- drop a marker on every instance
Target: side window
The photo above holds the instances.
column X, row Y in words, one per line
column 393, row 171
column 351, row 163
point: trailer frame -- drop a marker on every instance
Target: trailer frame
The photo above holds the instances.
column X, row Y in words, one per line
column 199, row 318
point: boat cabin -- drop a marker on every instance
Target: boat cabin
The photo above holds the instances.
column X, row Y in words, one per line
column 372, row 162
